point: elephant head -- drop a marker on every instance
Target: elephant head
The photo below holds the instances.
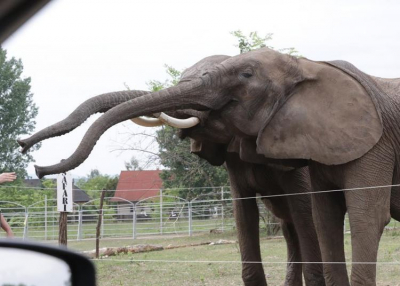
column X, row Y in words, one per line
column 290, row 108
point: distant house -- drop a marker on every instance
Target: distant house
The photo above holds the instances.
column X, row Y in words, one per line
column 79, row 195
column 134, row 186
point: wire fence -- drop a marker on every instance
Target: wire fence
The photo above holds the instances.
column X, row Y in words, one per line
column 153, row 216
column 158, row 215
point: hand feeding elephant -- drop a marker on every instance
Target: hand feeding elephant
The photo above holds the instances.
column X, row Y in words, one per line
column 340, row 120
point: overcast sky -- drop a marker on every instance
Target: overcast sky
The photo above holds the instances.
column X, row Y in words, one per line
column 76, row 49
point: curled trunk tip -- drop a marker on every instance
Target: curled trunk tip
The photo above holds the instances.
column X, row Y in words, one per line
column 40, row 171
column 24, row 145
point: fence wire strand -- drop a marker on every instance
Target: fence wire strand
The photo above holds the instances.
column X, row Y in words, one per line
column 247, row 262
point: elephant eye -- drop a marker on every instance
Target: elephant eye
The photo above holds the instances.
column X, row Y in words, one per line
column 246, row 75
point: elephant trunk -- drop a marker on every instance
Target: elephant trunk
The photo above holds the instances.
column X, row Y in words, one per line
column 185, row 95
column 100, row 103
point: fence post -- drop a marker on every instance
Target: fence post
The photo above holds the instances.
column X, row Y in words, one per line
column 45, row 217
column 161, row 211
column 102, row 224
column 25, row 236
column 134, row 222
column 99, row 223
column 80, row 224
column 190, row 218
column 222, row 208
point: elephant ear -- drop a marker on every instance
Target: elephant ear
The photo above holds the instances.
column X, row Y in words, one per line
column 212, row 152
column 330, row 119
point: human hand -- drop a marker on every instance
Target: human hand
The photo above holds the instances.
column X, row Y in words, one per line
column 7, row 177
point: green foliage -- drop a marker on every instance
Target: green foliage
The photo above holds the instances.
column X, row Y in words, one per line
column 252, row 42
column 48, row 183
column 95, row 181
column 185, row 170
column 174, row 74
column 13, row 194
column 17, row 114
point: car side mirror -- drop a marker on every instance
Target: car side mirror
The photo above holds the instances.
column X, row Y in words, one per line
column 23, row 263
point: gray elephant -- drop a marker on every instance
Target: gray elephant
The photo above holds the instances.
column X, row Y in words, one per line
column 212, row 141
column 338, row 120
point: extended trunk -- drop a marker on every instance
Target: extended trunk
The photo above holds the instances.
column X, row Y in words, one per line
column 101, row 103
column 187, row 95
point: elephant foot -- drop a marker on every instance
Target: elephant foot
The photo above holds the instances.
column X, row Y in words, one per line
column 294, row 275
column 255, row 282
column 316, row 281
column 314, row 278
column 293, row 282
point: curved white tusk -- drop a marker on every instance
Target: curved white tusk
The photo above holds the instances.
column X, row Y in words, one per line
column 166, row 119
column 147, row 122
column 179, row 123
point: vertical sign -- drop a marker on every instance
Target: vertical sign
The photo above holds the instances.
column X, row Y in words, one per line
column 64, row 193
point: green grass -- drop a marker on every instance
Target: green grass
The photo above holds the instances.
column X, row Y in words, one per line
column 112, row 271
column 123, row 270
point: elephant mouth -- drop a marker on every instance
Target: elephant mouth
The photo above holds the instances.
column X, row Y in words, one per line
column 191, row 123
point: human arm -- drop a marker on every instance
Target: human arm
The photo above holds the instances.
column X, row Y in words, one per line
column 6, row 227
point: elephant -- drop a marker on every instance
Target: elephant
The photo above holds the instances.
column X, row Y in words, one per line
column 330, row 116
column 211, row 143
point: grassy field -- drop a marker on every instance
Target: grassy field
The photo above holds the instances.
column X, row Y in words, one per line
column 202, row 265
column 199, row 265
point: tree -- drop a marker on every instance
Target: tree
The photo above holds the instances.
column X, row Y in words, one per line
column 95, row 181
column 17, row 115
column 133, row 165
column 253, row 42
column 185, row 170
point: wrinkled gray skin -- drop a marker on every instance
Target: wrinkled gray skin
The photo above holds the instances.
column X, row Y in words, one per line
column 210, row 142
column 345, row 125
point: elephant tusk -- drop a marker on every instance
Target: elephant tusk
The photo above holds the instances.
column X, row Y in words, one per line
column 179, row 123
column 147, row 122
column 166, row 119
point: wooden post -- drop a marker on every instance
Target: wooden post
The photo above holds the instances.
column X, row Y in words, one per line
column 62, row 232
column 99, row 223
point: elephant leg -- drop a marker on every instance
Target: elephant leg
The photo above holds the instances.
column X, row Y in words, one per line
column 395, row 195
column 328, row 210
column 309, row 247
column 294, row 268
column 298, row 181
column 247, row 224
column 369, row 213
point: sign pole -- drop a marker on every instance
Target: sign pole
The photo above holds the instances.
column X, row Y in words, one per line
column 62, row 233
column 64, row 205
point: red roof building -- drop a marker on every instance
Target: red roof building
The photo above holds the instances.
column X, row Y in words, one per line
column 137, row 185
